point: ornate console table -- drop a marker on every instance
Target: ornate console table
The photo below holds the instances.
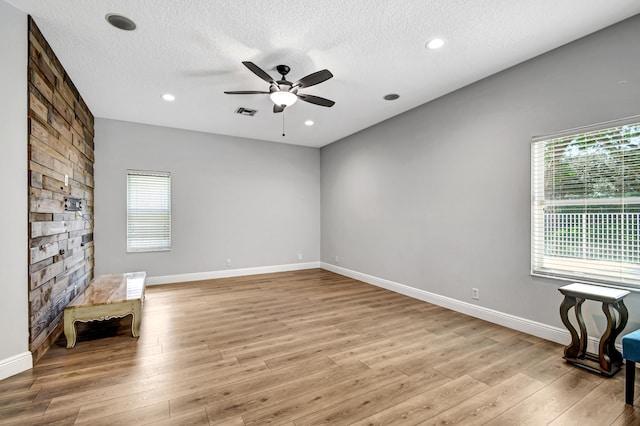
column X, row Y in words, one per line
column 107, row 297
column 608, row 360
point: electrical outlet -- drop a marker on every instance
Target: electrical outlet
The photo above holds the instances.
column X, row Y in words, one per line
column 228, row 262
column 337, row 259
column 475, row 293
column 299, row 256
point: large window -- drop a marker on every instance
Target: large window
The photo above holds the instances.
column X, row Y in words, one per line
column 148, row 211
column 585, row 210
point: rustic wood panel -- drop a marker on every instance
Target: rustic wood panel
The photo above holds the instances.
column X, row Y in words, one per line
column 45, row 171
column 38, row 107
column 295, row 348
column 63, row 108
column 35, row 179
column 46, row 274
column 43, row 251
column 42, row 85
column 60, row 143
column 51, row 146
column 45, row 205
column 42, row 229
column 37, row 59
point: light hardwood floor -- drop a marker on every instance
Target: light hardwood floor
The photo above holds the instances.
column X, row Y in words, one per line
column 303, row 348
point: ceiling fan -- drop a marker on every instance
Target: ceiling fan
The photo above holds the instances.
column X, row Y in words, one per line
column 284, row 93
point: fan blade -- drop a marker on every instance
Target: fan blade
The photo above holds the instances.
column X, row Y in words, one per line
column 259, row 72
column 278, row 108
column 246, row 92
column 313, row 79
column 317, row 100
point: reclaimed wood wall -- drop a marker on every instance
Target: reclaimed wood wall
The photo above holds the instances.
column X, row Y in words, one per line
column 60, row 128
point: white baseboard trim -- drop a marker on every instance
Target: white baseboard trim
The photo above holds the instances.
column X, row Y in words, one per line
column 15, row 364
column 227, row 273
column 544, row 331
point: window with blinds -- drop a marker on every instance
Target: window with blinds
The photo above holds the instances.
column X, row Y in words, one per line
column 148, row 211
column 585, row 211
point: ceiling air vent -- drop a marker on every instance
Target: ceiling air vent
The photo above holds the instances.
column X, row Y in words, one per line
column 246, row 111
column 120, row 22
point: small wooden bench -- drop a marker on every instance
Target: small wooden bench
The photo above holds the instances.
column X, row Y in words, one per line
column 107, row 297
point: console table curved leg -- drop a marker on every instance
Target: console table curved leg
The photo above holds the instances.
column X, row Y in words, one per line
column 135, row 322
column 70, row 333
column 623, row 316
column 583, row 329
column 573, row 349
column 605, row 342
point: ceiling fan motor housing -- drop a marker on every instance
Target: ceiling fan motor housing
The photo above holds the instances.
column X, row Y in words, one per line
column 283, row 70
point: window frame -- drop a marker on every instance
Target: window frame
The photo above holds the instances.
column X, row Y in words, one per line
column 619, row 274
column 133, row 244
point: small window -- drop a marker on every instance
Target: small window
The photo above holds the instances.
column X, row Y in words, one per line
column 148, row 211
column 585, row 211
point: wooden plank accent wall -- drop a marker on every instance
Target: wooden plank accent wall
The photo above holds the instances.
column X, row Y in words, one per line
column 60, row 143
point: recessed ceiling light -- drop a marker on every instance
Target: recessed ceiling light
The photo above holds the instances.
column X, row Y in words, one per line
column 436, row 43
column 168, row 97
column 308, row 123
column 391, row 97
column 120, row 22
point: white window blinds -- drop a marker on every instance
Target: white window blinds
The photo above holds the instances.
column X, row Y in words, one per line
column 148, row 211
column 585, row 212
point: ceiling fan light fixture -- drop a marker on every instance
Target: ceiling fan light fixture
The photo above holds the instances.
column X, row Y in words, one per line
column 283, row 98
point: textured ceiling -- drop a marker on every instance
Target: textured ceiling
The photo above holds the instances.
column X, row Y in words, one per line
column 194, row 49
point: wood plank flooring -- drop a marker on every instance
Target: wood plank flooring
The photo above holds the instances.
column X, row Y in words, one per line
column 306, row 348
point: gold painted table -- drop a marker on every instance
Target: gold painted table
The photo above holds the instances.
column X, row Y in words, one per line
column 107, row 297
column 608, row 360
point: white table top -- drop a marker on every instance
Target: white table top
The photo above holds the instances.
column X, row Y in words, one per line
column 594, row 292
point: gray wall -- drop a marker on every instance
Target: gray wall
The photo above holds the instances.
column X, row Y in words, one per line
column 256, row 203
column 438, row 198
column 14, row 315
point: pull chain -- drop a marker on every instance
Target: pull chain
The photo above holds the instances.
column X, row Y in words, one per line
column 282, row 123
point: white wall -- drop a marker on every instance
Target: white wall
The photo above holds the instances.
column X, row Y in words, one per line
column 438, row 198
column 14, row 315
column 254, row 202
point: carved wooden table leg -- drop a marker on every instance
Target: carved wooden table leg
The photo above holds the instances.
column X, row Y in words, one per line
column 624, row 316
column 135, row 321
column 573, row 349
column 583, row 329
column 69, row 330
column 605, row 345
column 614, row 354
